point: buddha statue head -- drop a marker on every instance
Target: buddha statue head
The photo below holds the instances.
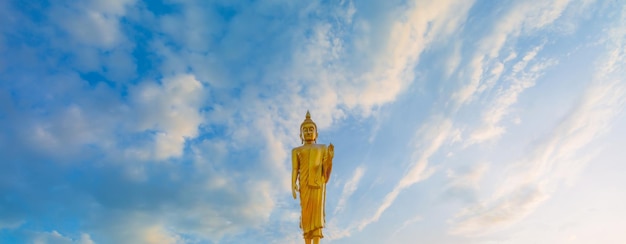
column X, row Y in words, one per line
column 308, row 130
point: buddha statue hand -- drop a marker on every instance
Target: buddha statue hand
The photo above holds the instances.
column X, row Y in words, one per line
column 294, row 189
column 331, row 150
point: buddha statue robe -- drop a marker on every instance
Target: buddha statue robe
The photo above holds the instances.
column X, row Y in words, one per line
column 313, row 165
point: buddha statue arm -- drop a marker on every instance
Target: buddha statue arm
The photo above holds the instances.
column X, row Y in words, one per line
column 295, row 164
column 327, row 165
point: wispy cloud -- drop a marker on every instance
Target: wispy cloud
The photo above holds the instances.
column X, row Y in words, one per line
column 484, row 68
column 469, row 179
column 407, row 223
column 349, row 187
column 514, row 83
column 533, row 179
column 55, row 237
column 432, row 136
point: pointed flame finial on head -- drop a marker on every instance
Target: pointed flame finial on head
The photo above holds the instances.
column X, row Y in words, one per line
column 307, row 120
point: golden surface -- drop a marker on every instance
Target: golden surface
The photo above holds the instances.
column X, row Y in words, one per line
column 312, row 164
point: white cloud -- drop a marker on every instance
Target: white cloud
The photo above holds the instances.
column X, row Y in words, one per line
column 516, row 82
column 469, row 179
column 171, row 110
column 72, row 128
column 11, row 223
column 378, row 70
column 485, row 218
column 54, row 237
column 158, row 235
column 408, row 38
column 522, row 17
column 407, row 223
column 349, row 188
column 535, row 177
column 432, row 136
column 195, row 210
column 93, row 23
column 85, row 239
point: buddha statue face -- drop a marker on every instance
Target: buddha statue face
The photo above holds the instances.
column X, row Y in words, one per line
column 308, row 132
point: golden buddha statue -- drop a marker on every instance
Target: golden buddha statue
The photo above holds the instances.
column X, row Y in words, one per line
column 312, row 164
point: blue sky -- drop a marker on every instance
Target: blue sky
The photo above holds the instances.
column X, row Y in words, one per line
column 172, row 121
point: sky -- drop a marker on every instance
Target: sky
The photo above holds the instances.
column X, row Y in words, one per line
column 172, row 121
